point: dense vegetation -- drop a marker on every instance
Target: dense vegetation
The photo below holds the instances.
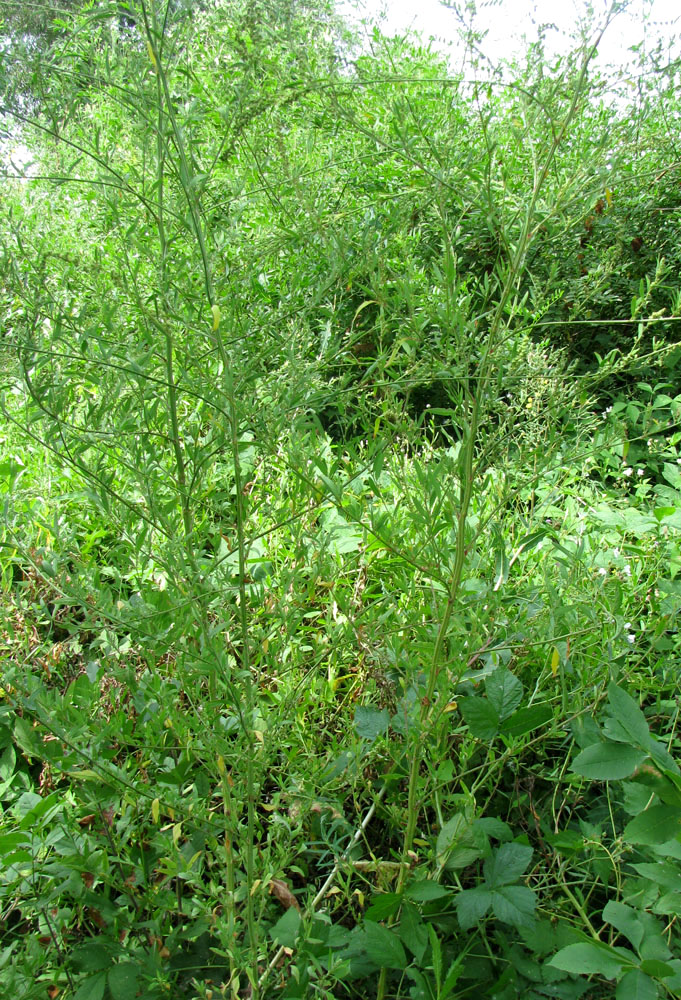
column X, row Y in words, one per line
column 341, row 534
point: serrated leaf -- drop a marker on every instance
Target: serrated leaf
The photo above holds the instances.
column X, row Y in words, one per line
column 656, row 825
column 413, row 931
column 588, row 958
column 635, row 985
column 371, row 722
column 384, row 947
column 472, row 905
column 504, row 691
column 607, row 761
column 526, row 719
column 507, row 864
column 481, row 717
column 384, row 905
column 514, row 905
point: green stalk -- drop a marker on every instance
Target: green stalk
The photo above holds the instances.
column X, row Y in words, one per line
column 185, row 176
column 467, row 479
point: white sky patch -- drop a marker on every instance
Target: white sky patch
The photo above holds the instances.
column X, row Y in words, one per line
column 507, row 21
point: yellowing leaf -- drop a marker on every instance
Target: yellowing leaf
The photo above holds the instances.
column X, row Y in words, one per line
column 177, row 833
column 151, row 54
column 221, row 764
column 555, row 660
column 608, row 196
column 155, row 810
column 215, row 309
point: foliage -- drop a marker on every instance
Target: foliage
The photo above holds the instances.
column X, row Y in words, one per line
column 340, row 537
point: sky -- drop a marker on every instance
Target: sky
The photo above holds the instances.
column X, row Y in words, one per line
column 508, row 20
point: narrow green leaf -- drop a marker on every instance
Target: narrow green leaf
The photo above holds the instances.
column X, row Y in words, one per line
column 436, row 952
column 607, row 761
column 501, row 569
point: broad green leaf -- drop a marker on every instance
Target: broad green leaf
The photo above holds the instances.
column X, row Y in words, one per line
column 384, row 947
column 589, row 958
column 472, row 905
column 371, row 722
column 494, row 827
column 628, row 715
column 285, row 931
column 504, row 691
column 663, row 758
column 626, row 920
column 456, row 847
column 526, row 719
column 661, row 873
column 123, row 980
column 654, row 967
column 607, row 761
column 384, row 905
column 507, row 864
column 93, row 988
column 514, row 904
column 635, row 985
column 656, row 825
column 481, row 717
column 424, row 892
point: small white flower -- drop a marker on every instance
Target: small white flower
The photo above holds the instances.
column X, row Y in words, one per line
column 631, row 637
column 602, row 571
column 616, row 553
column 627, row 472
column 639, row 472
column 627, row 570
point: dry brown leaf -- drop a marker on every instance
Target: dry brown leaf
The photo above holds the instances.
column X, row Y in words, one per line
column 283, row 894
